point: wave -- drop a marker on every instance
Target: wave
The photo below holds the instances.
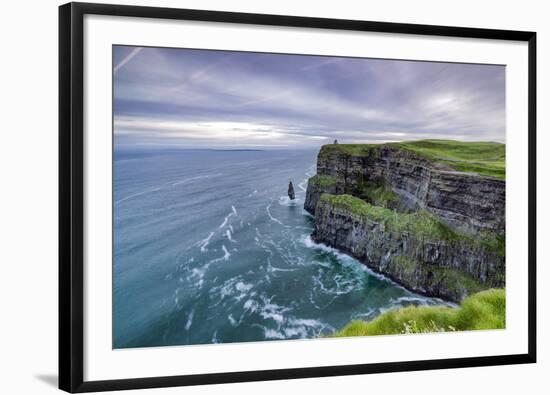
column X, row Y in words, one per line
column 226, row 219
column 186, row 180
column 271, row 216
column 204, row 243
column 344, row 258
column 410, row 299
column 226, row 253
column 228, row 235
column 156, row 189
column 137, row 194
column 233, row 321
column 286, row 201
column 189, row 320
column 340, row 285
column 307, row 213
column 297, row 328
column 273, row 334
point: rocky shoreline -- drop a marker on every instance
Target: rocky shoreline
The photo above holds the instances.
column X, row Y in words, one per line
column 435, row 230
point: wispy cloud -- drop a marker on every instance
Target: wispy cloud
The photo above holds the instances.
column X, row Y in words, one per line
column 202, row 98
column 129, row 57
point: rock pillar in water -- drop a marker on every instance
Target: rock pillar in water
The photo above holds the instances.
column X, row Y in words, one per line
column 291, row 194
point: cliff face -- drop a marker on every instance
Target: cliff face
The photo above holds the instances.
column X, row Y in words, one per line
column 435, row 230
column 447, row 267
column 465, row 201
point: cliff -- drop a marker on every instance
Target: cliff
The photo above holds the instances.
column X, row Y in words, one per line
column 428, row 214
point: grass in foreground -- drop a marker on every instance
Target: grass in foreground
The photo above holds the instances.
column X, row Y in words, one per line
column 484, row 158
column 483, row 310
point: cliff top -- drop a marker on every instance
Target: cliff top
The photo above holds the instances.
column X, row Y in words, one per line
column 483, row 158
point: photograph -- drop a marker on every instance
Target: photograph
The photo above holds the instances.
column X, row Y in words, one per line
column 270, row 197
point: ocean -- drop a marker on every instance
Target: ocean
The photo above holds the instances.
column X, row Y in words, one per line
column 208, row 248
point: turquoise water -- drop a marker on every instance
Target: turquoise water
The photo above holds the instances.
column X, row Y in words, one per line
column 209, row 249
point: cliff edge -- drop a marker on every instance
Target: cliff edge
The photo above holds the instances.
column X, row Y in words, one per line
column 429, row 214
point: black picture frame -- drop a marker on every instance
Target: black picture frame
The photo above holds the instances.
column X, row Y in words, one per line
column 71, row 195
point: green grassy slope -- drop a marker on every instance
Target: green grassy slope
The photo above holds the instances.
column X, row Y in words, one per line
column 484, row 158
column 483, row 310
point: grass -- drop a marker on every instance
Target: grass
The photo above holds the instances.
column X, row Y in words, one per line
column 483, row 158
column 322, row 181
column 420, row 224
column 378, row 194
column 483, row 310
column 456, row 281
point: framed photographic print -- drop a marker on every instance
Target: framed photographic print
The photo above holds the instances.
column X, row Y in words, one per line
column 253, row 197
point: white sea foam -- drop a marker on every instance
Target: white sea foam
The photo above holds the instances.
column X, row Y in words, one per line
column 307, row 214
column 286, row 201
column 197, row 274
column 187, row 180
column 365, row 315
column 225, row 220
column 183, row 181
column 272, row 311
column 410, row 299
column 271, row 216
column 273, row 334
column 225, row 256
column 228, row 235
column 250, row 305
column 226, row 253
column 137, row 194
column 296, row 328
column 344, row 258
column 234, row 210
column 341, row 285
column 277, row 269
column 189, row 319
column 243, row 287
column 204, row 243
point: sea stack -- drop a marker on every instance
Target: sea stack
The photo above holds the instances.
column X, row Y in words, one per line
column 291, row 194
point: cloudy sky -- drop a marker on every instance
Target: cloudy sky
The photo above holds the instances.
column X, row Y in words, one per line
column 220, row 99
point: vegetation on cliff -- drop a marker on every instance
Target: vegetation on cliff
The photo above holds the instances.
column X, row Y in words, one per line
column 483, row 158
column 483, row 310
column 378, row 194
column 420, row 224
column 415, row 212
column 322, row 181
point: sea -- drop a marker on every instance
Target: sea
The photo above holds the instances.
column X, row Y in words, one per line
column 208, row 248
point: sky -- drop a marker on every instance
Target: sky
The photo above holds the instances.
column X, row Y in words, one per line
column 188, row 98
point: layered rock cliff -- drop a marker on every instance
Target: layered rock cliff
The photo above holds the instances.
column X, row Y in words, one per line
column 434, row 229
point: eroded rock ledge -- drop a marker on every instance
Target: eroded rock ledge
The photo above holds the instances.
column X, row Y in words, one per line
column 433, row 229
